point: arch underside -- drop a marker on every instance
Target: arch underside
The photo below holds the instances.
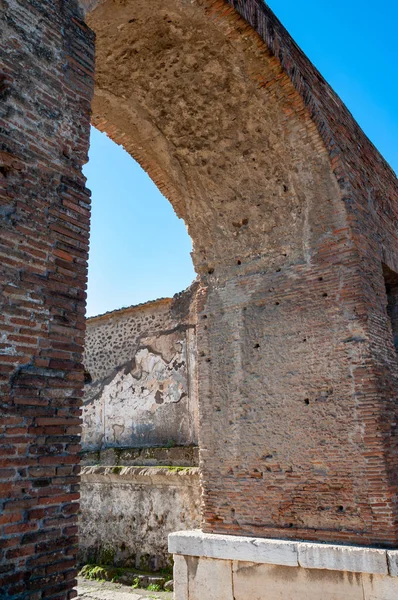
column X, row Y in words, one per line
column 220, row 130
column 195, row 95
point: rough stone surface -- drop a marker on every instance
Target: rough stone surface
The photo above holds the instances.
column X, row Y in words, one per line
column 179, row 456
column 293, row 217
column 127, row 513
column 290, row 209
column 224, row 547
column 141, row 362
column 265, row 581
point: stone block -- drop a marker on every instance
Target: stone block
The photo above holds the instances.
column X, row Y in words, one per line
column 342, row 558
column 180, row 578
column 209, row 579
column 392, row 560
column 228, row 547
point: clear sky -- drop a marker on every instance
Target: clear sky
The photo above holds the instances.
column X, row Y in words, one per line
column 139, row 249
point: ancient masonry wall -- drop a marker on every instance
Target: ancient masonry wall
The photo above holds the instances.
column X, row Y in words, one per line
column 331, row 367
column 292, row 214
column 46, row 85
column 127, row 513
column 291, row 211
column 142, row 365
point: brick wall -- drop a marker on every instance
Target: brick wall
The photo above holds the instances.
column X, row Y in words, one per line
column 346, row 498
column 292, row 211
column 46, row 84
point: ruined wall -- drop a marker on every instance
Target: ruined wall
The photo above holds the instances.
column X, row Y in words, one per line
column 291, row 211
column 142, row 362
column 46, row 85
column 284, row 198
column 128, row 512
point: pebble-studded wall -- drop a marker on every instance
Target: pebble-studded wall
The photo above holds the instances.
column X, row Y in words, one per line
column 140, row 376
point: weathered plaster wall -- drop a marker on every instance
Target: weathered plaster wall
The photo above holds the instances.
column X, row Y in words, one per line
column 128, row 512
column 142, row 364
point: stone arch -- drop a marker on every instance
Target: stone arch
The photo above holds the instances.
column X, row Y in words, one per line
column 217, row 124
column 245, row 139
column 298, row 371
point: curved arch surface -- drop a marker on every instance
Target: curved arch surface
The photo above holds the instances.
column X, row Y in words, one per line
column 293, row 216
column 262, row 161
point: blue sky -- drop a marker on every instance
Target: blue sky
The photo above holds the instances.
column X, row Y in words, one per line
column 139, row 249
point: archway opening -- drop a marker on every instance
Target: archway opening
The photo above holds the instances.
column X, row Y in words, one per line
column 140, row 402
column 139, row 249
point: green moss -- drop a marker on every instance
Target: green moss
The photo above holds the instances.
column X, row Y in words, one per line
column 135, row 584
column 94, row 572
column 144, row 562
column 114, row 574
column 118, row 453
column 107, row 555
column 175, row 469
column 116, row 470
column 167, row 572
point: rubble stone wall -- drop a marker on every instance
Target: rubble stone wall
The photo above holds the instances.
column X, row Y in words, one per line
column 128, row 512
column 142, row 365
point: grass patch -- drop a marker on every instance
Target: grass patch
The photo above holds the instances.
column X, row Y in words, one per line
column 114, row 574
column 94, row 572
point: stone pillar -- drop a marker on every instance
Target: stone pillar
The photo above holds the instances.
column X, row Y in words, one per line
column 46, row 85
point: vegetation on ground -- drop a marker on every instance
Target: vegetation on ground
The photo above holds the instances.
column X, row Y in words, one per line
column 113, row 574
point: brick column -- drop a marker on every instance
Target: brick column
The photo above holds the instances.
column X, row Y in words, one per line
column 46, row 84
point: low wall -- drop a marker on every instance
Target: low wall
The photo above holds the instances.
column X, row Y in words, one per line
column 141, row 376
column 128, row 512
column 221, row 567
